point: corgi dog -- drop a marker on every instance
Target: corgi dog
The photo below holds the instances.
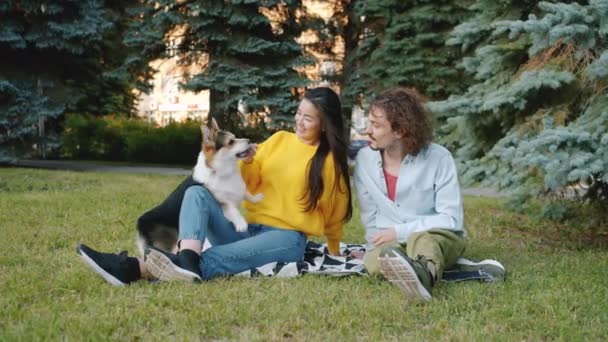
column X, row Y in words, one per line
column 217, row 170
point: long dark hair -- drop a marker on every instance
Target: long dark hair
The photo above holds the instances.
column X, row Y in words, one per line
column 333, row 139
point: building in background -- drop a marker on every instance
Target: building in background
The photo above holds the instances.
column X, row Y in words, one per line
column 167, row 102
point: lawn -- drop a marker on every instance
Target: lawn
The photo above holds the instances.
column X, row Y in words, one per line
column 556, row 289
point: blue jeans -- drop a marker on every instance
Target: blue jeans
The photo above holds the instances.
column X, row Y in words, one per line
column 233, row 252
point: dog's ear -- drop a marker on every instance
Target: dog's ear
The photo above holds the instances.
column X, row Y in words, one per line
column 205, row 132
column 209, row 131
column 212, row 123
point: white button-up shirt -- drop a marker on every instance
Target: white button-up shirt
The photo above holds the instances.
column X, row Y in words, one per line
column 427, row 194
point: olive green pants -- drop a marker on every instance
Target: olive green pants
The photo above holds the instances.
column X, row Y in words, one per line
column 440, row 246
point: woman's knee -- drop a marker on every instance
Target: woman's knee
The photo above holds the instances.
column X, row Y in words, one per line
column 199, row 195
column 195, row 191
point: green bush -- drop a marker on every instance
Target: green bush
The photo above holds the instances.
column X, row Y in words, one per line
column 133, row 140
column 81, row 137
column 115, row 135
column 175, row 143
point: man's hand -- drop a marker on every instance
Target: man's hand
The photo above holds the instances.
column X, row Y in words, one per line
column 385, row 236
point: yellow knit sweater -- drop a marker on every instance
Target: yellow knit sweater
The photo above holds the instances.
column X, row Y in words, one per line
column 279, row 171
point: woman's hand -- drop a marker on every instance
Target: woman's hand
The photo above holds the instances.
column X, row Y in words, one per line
column 385, row 236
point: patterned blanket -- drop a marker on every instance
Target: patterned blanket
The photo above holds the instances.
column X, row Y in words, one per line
column 318, row 261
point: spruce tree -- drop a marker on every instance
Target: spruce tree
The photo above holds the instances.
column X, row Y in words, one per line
column 334, row 38
column 56, row 57
column 403, row 43
column 246, row 57
column 536, row 121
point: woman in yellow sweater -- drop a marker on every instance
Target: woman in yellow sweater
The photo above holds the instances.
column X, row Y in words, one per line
column 305, row 182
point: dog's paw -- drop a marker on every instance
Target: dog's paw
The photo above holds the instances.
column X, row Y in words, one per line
column 255, row 198
column 240, row 226
column 233, row 215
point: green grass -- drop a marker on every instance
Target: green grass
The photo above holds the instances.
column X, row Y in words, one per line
column 556, row 288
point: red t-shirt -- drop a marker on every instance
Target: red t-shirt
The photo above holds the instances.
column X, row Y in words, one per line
column 391, row 184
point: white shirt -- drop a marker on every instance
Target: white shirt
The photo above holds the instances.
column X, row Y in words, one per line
column 427, row 194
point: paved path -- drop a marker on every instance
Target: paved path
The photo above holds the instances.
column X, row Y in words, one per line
column 101, row 166
column 168, row 170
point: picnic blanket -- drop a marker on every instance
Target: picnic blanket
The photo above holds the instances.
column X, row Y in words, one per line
column 317, row 260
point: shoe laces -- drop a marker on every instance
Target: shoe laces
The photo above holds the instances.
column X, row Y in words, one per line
column 122, row 257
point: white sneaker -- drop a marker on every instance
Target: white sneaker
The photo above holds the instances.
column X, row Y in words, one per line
column 488, row 267
column 162, row 267
column 409, row 275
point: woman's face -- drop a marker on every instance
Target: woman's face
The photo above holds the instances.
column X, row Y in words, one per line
column 308, row 123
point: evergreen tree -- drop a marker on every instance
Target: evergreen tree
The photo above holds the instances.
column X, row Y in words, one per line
column 350, row 30
column 403, row 43
column 536, row 121
column 334, row 37
column 111, row 92
column 337, row 37
column 246, row 57
column 55, row 56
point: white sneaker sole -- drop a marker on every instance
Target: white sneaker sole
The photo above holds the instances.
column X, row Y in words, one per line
column 161, row 267
column 489, row 266
column 399, row 272
column 97, row 269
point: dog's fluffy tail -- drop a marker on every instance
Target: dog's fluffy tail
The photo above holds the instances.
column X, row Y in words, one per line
column 159, row 226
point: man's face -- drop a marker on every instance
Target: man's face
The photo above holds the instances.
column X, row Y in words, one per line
column 379, row 130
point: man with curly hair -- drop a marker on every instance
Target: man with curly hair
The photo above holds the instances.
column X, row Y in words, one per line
column 409, row 195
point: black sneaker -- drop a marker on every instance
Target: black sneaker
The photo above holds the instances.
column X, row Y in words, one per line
column 116, row 269
column 165, row 266
column 411, row 276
